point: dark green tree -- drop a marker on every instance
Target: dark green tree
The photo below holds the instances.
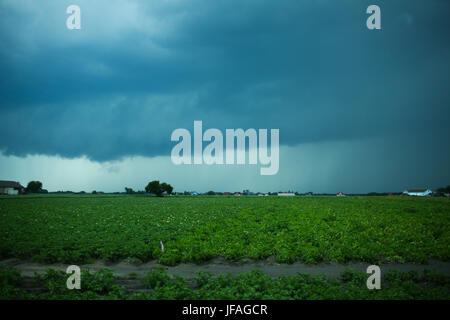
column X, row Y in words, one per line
column 155, row 188
column 443, row 190
column 129, row 190
column 158, row 188
column 167, row 188
column 34, row 187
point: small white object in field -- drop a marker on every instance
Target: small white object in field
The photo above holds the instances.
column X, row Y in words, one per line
column 162, row 246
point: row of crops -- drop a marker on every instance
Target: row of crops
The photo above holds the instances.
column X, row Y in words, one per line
column 157, row 284
column 80, row 229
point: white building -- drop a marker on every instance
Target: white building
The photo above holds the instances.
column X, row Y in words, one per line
column 286, row 194
column 10, row 187
column 418, row 192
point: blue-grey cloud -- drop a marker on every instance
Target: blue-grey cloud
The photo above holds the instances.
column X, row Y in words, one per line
column 138, row 70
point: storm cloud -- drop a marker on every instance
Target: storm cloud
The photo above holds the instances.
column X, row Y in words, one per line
column 137, row 70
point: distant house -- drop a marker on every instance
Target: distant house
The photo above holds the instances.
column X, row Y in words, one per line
column 418, row 192
column 340, row 194
column 237, row 193
column 227, row 193
column 10, row 187
column 194, row 193
column 286, row 194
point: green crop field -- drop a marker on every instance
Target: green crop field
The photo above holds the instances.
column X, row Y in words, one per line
column 77, row 229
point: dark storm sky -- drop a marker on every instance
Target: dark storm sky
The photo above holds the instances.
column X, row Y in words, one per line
column 137, row 70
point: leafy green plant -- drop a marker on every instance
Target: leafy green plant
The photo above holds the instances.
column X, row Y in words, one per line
column 251, row 285
column 79, row 229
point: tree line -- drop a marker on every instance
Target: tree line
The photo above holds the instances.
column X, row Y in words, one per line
column 154, row 187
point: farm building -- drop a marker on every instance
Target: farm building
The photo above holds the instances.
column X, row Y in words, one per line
column 286, row 194
column 340, row 194
column 418, row 192
column 10, row 187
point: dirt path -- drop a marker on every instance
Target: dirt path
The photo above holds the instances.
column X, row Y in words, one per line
column 222, row 266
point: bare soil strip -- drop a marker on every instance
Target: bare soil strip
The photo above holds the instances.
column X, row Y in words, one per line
column 222, row 266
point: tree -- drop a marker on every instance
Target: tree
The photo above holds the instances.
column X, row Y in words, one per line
column 34, row 187
column 154, row 187
column 443, row 190
column 129, row 190
column 158, row 188
column 167, row 188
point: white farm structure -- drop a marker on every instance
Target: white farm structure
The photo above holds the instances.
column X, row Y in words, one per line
column 286, row 194
column 418, row 192
column 10, row 187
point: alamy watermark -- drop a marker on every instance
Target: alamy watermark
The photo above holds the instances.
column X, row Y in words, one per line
column 73, row 22
column 374, row 280
column 74, row 280
column 373, row 22
column 214, row 152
